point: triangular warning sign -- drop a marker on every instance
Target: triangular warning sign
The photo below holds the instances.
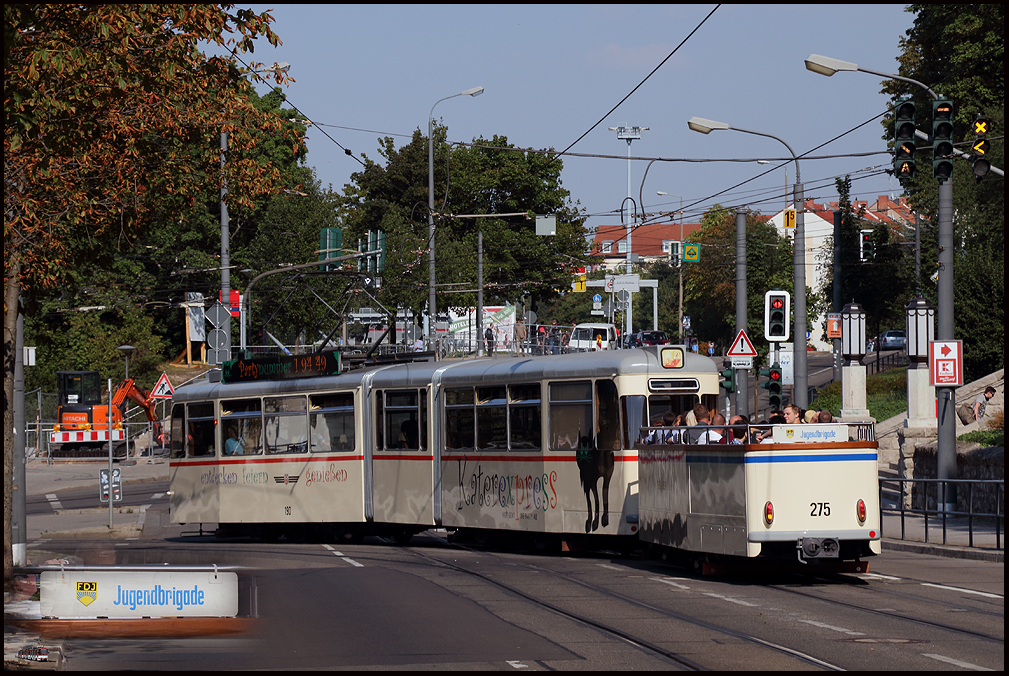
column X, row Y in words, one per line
column 164, row 389
column 742, row 347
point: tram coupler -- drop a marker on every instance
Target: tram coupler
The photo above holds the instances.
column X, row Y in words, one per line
column 817, row 548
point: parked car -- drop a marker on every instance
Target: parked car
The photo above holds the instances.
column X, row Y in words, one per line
column 591, row 336
column 893, row 340
column 651, row 338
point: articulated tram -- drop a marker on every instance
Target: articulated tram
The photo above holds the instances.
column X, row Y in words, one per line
column 545, row 445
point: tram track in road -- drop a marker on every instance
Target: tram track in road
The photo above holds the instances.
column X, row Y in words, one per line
column 637, row 641
column 900, row 616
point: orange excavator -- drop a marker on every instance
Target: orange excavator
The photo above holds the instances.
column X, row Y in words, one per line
column 83, row 422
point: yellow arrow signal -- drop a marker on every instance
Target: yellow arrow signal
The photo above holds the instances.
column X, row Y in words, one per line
column 981, row 146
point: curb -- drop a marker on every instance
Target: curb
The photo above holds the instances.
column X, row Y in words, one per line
column 949, row 551
column 176, row 627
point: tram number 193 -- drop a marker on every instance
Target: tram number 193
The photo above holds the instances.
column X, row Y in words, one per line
column 819, row 509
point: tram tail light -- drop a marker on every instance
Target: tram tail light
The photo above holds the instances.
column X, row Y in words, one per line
column 768, row 513
column 860, row 511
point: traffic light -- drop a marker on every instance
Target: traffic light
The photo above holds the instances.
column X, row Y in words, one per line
column 777, row 306
column 773, row 384
column 729, row 375
column 903, row 141
column 942, row 138
column 866, row 247
column 980, row 163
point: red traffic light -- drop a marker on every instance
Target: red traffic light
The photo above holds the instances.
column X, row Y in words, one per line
column 777, row 303
column 775, row 375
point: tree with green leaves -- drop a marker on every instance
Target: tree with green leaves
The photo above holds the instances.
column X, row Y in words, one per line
column 108, row 109
column 959, row 51
column 484, row 178
column 709, row 286
column 891, row 268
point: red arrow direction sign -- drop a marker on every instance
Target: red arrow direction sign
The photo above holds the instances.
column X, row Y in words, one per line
column 164, row 389
column 945, row 363
column 741, row 346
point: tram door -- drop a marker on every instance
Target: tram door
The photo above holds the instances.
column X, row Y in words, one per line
column 403, row 467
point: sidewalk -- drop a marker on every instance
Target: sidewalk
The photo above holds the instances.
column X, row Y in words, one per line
column 958, row 537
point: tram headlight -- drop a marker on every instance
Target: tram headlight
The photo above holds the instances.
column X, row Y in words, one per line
column 860, row 511
column 768, row 513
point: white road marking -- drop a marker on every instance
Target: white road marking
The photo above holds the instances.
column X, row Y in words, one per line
column 832, row 628
column 877, row 576
column 730, row 600
column 669, row 581
column 157, row 496
column 347, row 559
column 603, row 565
column 516, row 664
column 956, row 663
column 965, row 591
column 54, row 501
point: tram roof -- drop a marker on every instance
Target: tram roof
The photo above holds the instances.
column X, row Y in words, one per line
column 500, row 369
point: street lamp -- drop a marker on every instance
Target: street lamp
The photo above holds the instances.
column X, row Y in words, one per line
column 126, row 351
column 800, row 389
column 431, row 303
column 629, row 134
column 946, row 455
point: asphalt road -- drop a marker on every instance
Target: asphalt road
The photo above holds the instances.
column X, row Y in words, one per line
column 433, row 605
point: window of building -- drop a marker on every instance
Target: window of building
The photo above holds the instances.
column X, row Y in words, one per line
column 607, row 247
column 622, row 246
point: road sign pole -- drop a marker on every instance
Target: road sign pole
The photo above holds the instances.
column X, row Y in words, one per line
column 742, row 395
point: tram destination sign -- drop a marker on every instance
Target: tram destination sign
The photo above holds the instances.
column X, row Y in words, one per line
column 281, row 368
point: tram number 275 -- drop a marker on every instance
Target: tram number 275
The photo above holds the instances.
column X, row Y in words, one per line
column 819, row 509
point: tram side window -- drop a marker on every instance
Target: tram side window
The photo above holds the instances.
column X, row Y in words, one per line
column 571, row 415
column 286, row 424
column 492, row 418
column 635, row 417
column 202, row 426
column 607, row 416
column 525, row 431
column 332, row 422
column 178, row 440
column 401, row 416
column 241, row 427
column 459, row 419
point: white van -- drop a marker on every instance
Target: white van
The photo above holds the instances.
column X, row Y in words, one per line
column 590, row 337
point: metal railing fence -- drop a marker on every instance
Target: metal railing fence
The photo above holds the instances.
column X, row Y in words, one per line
column 979, row 494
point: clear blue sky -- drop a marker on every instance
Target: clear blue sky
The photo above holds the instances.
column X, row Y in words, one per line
column 550, row 72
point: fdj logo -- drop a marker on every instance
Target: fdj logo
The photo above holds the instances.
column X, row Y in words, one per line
column 87, row 592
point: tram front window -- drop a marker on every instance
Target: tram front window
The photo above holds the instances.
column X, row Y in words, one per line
column 286, row 424
column 178, row 441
